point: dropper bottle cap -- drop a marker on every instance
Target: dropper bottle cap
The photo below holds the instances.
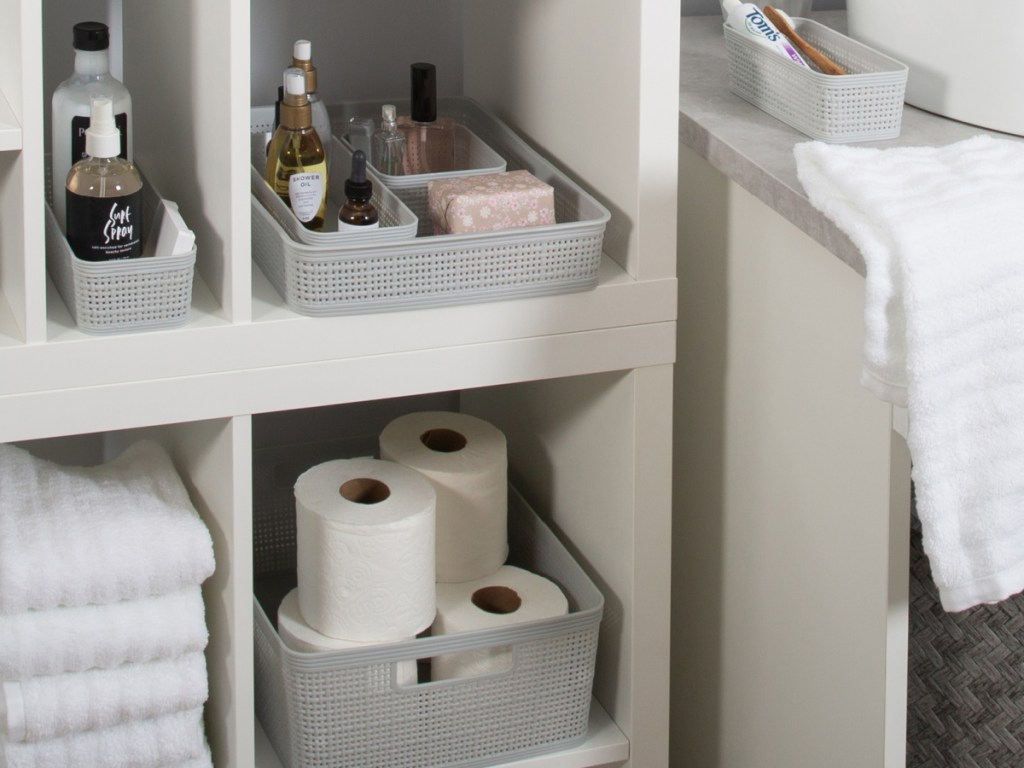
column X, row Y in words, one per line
column 302, row 57
column 295, row 110
column 357, row 186
column 102, row 138
column 424, row 92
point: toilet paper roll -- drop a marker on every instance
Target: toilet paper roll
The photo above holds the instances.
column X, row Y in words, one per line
column 365, row 549
column 510, row 596
column 299, row 636
column 465, row 459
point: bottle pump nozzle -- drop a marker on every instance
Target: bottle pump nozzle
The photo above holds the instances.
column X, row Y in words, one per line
column 102, row 137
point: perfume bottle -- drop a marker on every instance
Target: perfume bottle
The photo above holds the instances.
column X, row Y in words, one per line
column 296, row 164
column 358, row 213
column 70, row 105
column 387, row 148
column 302, row 57
column 103, row 194
column 429, row 140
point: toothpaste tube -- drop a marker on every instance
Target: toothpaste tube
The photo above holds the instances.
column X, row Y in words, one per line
column 747, row 19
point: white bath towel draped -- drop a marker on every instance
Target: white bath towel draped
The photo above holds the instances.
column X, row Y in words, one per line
column 941, row 235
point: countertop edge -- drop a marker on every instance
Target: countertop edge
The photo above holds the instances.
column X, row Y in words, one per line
column 776, row 194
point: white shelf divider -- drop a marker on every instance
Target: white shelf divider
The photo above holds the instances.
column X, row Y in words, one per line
column 10, row 129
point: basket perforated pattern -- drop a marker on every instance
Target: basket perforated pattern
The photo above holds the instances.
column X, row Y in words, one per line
column 447, row 725
column 866, row 104
column 142, row 298
column 438, row 272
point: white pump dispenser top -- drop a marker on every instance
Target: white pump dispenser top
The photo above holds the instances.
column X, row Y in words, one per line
column 102, row 138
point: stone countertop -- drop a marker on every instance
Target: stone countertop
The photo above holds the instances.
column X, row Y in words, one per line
column 755, row 149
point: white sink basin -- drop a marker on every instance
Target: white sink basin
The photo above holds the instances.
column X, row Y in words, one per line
column 963, row 57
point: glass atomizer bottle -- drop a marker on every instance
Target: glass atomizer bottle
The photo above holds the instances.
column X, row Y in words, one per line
column 103, row 194
column 358, row 213
column 296, row 164
column 70, row 105
column 429, row 139
column 387, row 146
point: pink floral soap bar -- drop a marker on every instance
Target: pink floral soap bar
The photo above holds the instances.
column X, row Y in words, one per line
column 490, row 202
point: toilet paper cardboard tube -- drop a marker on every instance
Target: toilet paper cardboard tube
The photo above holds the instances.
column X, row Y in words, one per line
column 497, row 599
column 443, row 440
column 364, row 490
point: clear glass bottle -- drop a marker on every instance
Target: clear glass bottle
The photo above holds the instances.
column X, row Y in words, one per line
column 387, row 147
column 103, row 194
column 358, row 213
column 70, row 104
column 429, row 140
column 302, row 57
column 296, row 164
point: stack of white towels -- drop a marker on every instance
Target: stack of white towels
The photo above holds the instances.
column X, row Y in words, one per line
column 102, row 622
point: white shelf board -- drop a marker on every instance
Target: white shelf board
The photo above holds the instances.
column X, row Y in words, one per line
column 209, row 345
column 10, row 130
column 605, row 745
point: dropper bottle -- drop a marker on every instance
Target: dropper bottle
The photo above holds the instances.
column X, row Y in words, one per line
column 358, row 213
column 296, row 164
column 103, row 194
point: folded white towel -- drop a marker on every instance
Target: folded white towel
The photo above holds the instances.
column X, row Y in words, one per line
column 75, row 536
column 166, row 740
column 48, row 707
column 939, row 229
column 37, row 643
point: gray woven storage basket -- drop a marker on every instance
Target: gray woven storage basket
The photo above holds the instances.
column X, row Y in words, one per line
column 345, row 709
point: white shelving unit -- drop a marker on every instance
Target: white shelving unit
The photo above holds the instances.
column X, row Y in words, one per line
column 580, row 383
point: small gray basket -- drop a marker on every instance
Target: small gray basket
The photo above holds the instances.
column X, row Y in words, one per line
column 143, row 294
column 345, row 709
column 865, row 105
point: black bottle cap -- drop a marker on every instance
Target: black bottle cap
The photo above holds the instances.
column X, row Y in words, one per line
column 357, row 186
column 424, row 92
column 91, row 36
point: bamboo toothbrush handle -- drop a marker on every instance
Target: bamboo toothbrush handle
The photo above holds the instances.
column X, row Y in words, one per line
column 821, row 61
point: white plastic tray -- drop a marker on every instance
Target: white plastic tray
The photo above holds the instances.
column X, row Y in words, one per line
column 446, row 269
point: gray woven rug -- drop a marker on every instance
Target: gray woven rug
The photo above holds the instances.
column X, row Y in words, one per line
column 965, row 702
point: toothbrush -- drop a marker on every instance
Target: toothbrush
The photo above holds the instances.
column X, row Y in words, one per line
column 783, row 22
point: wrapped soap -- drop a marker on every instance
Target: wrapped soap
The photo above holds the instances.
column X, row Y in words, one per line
column 490, row 202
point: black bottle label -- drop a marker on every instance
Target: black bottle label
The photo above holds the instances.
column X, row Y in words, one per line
column 105, row 228
column 78, row 125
